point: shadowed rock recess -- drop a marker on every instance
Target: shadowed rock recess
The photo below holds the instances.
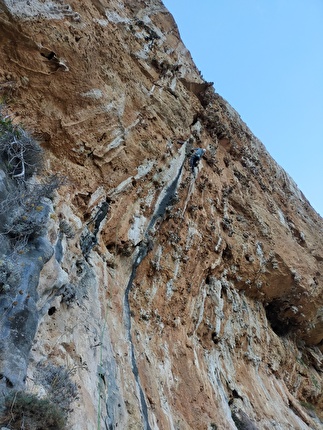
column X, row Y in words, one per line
column 169, row 297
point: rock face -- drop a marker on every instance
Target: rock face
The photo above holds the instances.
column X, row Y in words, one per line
column 175, row 298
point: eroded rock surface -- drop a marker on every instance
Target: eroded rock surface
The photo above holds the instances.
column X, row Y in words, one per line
column 176, row 299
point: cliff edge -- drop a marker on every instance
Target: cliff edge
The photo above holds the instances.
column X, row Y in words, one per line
column 155, row 289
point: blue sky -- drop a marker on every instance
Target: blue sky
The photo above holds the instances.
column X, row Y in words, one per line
column 265, row 58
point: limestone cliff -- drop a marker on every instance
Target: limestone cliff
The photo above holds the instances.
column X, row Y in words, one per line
column 174, row 298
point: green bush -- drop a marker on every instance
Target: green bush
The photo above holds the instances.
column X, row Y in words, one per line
column 23, row 410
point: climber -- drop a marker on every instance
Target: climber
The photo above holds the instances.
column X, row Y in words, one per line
column 195, row 158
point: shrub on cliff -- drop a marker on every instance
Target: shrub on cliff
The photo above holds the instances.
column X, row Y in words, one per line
column 20, row 152
column 58, row 384
column 23, row 213
column 23, row 410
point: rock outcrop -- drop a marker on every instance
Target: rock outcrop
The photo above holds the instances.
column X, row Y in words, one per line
column 174, row 298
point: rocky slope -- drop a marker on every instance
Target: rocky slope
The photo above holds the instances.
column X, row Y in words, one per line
column 173, row 299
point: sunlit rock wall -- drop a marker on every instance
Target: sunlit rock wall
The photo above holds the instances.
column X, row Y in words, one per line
column 176, row 299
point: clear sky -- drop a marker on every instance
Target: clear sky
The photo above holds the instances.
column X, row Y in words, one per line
column 265, row 58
